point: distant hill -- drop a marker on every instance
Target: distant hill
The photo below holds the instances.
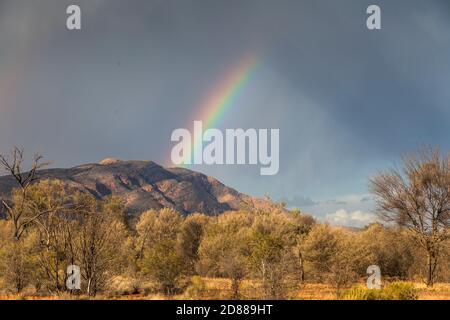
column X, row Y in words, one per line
column 146, row 185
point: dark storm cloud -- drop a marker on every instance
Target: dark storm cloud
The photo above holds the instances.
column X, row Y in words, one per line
column 348, row 101
column 300, row 201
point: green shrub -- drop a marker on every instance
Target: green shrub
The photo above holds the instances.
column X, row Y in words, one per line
column 394, row 291
column 362, row 293
column 399, row 290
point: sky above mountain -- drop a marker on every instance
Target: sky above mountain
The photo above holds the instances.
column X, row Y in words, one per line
column 348, row 101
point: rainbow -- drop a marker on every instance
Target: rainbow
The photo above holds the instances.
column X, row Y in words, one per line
column 222, row 97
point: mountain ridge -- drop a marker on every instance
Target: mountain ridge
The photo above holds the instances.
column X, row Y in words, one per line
column 145, row 185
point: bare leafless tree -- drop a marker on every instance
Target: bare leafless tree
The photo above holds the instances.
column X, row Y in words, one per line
column 418, row 198
column 18, row 213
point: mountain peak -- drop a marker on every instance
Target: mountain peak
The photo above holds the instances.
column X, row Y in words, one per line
column 108, row 161
column 145, row 185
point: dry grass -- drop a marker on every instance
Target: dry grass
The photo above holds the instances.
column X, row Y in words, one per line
column 316, row 291
column 214, row 289
column 440, row 291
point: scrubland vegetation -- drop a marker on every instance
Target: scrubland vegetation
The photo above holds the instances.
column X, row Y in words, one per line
column 246, row 254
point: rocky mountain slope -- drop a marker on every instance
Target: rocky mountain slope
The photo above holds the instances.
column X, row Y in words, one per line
column 145, row 185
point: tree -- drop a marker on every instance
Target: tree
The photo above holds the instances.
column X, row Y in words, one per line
column 17, row 263
column 224, row 250
column 53, row 229
column 331, row 256
column 189, row 239
column 341, row 268
column 156, row 225
column 18, row 213
column 164, row 264
column 417, row 197
column 319, row 248
column 98, row 240
column 390, row 248
column 158, row 252
column 274, row 236
column 270, row 261
column 303, row 225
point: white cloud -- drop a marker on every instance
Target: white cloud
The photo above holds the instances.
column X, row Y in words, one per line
column 355, row 218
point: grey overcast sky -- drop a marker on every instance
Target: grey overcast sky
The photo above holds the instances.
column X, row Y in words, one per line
column 348, row 101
